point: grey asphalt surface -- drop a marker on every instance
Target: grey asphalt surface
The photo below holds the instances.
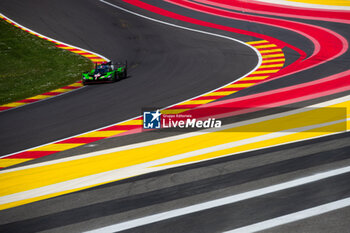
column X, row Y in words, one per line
column 158, row 54
column 184, row 186
column 335, row 66
column 167, row 65
column 113, row 142
column 231, row 216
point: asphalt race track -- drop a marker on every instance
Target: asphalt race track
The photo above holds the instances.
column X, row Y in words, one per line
column 245, row 190
column 165, row 69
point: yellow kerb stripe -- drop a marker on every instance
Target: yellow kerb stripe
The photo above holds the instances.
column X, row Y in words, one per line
column 273, row 55
column 10, row 162
column 265, row 46
column 62, row 90
column 76, row 85
column 67, row 47
column 272, row 66
column 265, row 71
column 273, row 60
column 257, row 42
column 40, row 97
column 57, row 147
column 218, row 93
column 255, row 78
column 104, row 134
column 173, row 111
column 53, row 41
column 80, row 51
column 14, row 104
column 132, row 122
column 196, row 102
column 90, row 55
column 240, row 85
column 270, row 51
column 96, row 60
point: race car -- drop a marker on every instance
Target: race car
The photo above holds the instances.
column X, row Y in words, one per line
column 105, row 72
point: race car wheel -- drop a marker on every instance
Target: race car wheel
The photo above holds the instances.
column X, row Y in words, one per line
column 125, row 73
column 116, row 77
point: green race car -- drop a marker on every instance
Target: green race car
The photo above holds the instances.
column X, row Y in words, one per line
column 105, row 72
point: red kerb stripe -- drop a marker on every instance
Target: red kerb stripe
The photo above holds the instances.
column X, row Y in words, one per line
column 81, row 140
column 30, row 154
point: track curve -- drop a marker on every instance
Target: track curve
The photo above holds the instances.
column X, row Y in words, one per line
column 165, row 69
column 241, row 176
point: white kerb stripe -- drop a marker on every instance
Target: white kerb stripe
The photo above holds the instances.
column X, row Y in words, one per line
column 219, row 202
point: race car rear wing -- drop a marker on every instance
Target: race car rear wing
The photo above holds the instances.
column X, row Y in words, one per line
column 117, row 64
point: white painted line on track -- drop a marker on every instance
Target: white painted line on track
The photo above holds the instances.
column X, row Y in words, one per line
column 139, row 169
column 222, row 201
column 306, row 5
column 198, row 31
column 188, row 135
column 289, row 218
column 158, row 21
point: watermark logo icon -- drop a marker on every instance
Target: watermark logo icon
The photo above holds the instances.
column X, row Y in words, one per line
column 151, row 120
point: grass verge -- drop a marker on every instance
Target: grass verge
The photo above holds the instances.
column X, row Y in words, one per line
column 30, row 66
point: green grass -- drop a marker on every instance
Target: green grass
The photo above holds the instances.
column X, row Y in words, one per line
column 30, row 66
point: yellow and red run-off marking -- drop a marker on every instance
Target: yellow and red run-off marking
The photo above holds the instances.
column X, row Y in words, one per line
column 48, row 179
column 272, row 61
